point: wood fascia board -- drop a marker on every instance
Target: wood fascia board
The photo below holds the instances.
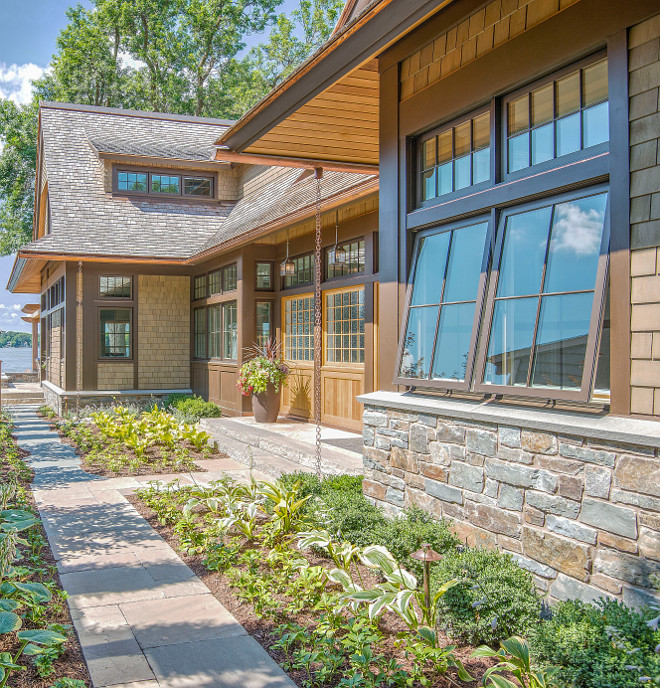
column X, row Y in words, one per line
column 129, row 159
column 95, row 258
column 371, row 33
column 336, row 201
column 304, row 163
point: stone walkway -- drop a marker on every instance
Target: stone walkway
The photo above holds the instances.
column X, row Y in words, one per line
column 143, row 618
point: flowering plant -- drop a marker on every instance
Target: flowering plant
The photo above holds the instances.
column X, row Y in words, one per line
column 266, row 367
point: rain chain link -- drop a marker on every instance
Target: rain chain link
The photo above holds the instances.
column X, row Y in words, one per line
column 318, row 323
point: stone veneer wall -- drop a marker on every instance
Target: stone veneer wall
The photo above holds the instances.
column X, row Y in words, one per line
column 163, row 332
column 644, row 114
column 488, row 27
column 582, row 516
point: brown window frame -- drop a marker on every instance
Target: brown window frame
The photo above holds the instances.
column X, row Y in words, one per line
column 484, row 306
column 271, row 307
column 344, row 244
column 419, row 163
column 256, row 276
column 558, row 161
column 223, row 270
column 131, row 344
column 120, row 298
column 300, row 256
column 181, row 174
column 203, row 333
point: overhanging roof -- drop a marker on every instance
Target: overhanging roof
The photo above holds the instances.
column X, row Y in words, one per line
column 25, row 277
column 328, row 109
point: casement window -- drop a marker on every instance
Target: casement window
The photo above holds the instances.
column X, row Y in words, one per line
column 199, row 287
column 299, row 328
column 221, row 323
column 264, row 320
column 354, row 262
column 229, row 277
column 344, row 318
column 115, row 330
column 516, row 308
column 560, row 116
column 303, row 272
column 455, row 157
column 115, row 287
column 161, row 184
column 200, row 333
column 230, row 330
column 264, row 276
column 215, row 282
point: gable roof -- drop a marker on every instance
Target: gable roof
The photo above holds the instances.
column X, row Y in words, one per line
column 85, row 219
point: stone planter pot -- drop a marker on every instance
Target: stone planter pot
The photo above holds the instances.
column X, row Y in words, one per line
column 266, row 406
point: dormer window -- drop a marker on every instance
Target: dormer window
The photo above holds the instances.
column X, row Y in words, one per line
column 158, row 183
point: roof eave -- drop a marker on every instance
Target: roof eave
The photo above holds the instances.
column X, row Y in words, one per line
column 353, row 45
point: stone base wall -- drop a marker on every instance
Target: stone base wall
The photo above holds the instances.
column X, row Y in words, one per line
column 582, row 515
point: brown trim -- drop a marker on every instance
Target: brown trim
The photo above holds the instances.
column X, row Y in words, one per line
column 620, row 308
column 225, row 155
column 172, row 172
column 93, row 258
column 149, row 161
column 124, row 306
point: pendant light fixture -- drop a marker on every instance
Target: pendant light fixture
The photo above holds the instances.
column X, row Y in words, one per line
column 337, row 253
column 287, row 267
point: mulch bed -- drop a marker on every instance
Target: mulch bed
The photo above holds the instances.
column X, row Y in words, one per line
column 149, row 467
column 71, row 664
column 261, row 629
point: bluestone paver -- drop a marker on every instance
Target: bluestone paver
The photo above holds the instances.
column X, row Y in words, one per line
column 144, row 619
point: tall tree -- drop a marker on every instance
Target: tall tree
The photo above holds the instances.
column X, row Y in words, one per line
column 18, row 136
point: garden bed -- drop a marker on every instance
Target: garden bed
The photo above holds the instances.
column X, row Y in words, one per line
column 33, row 584
column 125, row 441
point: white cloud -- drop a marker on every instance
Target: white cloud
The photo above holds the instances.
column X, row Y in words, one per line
column 16, row 81
column 577, row 230
column 127, row 60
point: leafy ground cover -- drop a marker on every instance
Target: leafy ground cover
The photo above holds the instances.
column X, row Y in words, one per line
column 38, row 647
column 331, row 612
column 125, row 440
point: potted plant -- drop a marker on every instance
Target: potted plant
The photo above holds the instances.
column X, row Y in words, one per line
column 263, row 377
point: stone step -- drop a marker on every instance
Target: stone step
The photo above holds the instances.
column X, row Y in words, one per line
column 12, row 396
column 261, row 460
column 262, row 442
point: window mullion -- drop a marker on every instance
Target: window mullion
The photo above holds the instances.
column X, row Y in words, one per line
column 442, row 294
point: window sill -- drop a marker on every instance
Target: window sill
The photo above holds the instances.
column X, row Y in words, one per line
column 633, row 431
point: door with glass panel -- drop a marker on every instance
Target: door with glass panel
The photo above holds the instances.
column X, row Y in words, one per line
column 342, row 373
column 298, row 352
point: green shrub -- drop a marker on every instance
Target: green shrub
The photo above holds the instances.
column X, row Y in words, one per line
column 598, row 645
column 405, row 535
column 171, row 400
column 191, row 409
column 494, row 599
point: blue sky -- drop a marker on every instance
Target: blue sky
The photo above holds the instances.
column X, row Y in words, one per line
column 28, row 32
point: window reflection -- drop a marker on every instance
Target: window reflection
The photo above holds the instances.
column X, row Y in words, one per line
column 446, row 277
column 544, row 297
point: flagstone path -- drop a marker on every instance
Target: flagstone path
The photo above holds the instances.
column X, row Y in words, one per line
column 143, row 618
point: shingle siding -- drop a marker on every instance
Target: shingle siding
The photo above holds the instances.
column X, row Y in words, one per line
column 644, row 92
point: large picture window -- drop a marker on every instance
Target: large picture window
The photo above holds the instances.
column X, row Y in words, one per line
column 540, row 331
column 115, row 328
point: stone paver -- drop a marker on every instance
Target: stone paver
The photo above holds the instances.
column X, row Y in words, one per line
column 144, row 619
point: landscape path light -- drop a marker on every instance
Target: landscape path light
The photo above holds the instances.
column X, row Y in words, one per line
column 427, row 555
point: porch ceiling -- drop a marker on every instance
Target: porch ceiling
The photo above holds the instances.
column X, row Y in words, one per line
column 340, row 124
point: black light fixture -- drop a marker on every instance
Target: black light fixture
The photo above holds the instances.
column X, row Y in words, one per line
column 337, row 252
column 287, row 267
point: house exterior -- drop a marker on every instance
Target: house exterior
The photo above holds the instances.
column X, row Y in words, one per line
column 158, row 267
column 511, row 367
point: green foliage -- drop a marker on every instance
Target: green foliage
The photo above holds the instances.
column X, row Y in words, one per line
column 15, row 339
column 256, row 374
column 18, row 136
column 191, row 408
column 68, row 683
column 493, row 600
column 46, row 411
column 404, row 535
column 607, row 645
column 515, row 658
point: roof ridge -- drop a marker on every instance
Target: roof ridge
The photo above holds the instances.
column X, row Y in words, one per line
column 140, row 114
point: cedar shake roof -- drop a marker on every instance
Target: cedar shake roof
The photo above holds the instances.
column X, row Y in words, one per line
column 85, row 220
column 289, row 192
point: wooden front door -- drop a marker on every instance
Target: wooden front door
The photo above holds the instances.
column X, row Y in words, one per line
column 342, row 370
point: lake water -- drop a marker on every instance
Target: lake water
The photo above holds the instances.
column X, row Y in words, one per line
column 16, row 359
